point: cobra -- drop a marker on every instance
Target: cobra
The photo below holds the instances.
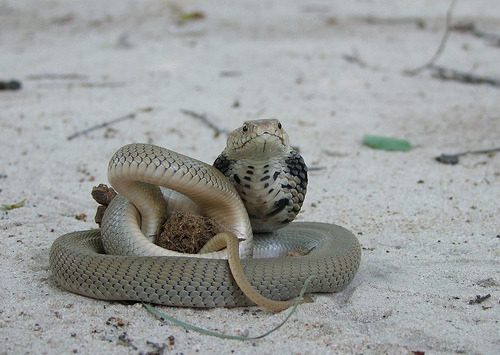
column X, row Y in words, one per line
column 254, row 190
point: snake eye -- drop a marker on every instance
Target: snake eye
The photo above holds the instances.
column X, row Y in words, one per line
column 245, row 128
column 279, row 125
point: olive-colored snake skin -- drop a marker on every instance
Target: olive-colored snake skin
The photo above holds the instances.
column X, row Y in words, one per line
column 87, row 263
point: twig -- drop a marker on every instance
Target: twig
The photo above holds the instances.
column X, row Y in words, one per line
column 440, row 49
column 479, row 299
column 354, row 58
column 371, row 20
column 125, row 340
column 56, row 76
column 453, row 158
column 111, row 84
column 101, row 125
column 451, row 74
column 206, row 121
column 469, row 27
column 316, row 168
column 160, row 349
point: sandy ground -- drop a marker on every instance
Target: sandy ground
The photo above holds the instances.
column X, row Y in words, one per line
column 430, row 232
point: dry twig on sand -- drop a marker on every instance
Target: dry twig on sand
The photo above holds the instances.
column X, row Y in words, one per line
column 108, row 123
column 440, row 49
column 451, row 74
column 206, row 121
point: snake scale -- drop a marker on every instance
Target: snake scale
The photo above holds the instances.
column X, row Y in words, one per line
column 254, row 190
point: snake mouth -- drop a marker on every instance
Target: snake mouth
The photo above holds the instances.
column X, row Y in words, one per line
column 265, row 140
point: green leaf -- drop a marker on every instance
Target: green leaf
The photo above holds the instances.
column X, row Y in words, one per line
column 15, row 205
column 386, row 143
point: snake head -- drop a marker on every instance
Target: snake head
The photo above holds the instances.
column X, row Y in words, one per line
column 265, row 138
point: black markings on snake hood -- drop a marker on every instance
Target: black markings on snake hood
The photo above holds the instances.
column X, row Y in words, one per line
column 272, row 191
column 297, row 168
column 222, row 163
column 278, row 207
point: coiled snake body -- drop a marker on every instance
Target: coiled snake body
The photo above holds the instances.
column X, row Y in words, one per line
column 271, row 179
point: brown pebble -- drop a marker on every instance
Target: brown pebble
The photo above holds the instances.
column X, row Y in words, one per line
column 103, row 194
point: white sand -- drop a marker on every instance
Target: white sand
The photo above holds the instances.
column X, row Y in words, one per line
column 430, row 232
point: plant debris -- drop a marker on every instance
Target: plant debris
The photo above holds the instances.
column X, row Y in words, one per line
column 191, row 16
column 10, row 85
column 7, row 207
column 451, row 74
column 441, row 46
column 206, row 121
column 186, row 232
column 81, row 217
column 108, row 123
column 463, row 77
column 298, row 252
column 386, row 143
column 57, row 76
column 101, row 125
column 470, row 27
column 116, row 322
column 103, row 195
column 479, row 299
column 182, row 232
column 171, row 340
column 126, row 341
column 452, row 159
column 159, row 349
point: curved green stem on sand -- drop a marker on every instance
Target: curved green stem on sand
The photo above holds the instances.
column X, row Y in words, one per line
column 165, row 317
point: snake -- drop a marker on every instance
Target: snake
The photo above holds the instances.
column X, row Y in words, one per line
column 253, row 192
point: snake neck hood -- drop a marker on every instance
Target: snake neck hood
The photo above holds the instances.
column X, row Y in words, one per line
column 269, row 175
